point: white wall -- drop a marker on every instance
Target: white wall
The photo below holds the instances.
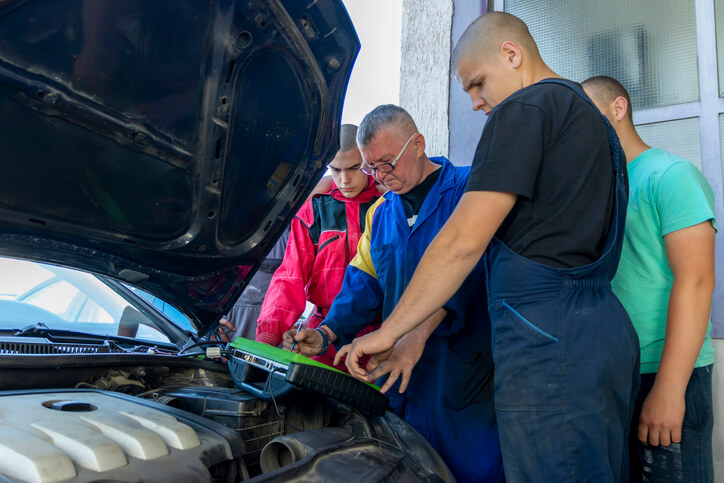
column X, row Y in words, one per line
column 425, row 69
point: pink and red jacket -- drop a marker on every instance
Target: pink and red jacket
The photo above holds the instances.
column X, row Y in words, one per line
column 322, row 241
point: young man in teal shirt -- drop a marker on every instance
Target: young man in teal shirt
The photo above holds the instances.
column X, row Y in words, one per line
column 665, row 281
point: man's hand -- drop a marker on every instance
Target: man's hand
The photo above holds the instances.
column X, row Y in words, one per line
column 690, row 253
column 221, row 333
column 447, row 261
column 661, row 417
column 375, row 344
column 309, row 342
column 398, row 362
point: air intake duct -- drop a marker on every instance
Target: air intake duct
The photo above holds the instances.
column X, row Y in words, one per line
column 286, row 450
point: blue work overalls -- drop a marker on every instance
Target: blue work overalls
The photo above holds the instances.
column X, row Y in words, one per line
column 566, row 358
column 449, row 398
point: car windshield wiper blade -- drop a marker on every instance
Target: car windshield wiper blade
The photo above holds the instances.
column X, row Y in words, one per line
column 61, row 335
column 35, row 330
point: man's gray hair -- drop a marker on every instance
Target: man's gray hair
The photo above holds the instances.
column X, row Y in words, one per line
column 389, row 116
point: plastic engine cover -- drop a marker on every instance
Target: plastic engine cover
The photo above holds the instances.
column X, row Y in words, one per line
column 85, row 435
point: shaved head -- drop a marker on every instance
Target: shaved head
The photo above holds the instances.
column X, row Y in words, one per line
column 604, row 90
column 347, row 137
column 483, row 38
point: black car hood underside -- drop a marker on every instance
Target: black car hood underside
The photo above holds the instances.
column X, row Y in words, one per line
column 165, row 143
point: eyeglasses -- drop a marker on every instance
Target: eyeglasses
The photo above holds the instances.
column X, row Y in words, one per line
column 386, row 167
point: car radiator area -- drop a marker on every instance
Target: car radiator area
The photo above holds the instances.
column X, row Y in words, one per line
column 91, row 435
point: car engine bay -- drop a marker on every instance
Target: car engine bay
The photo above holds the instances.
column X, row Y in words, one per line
column 158, row 417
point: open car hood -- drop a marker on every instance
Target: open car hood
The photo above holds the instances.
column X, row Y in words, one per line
column 166, row 143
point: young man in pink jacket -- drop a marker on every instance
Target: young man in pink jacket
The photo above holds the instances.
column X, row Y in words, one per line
column 323, row 240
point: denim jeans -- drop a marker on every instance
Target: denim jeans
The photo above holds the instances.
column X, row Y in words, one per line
column 689, row 461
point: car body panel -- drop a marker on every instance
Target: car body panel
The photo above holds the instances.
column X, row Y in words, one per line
column 152, row 153
column 165, row 143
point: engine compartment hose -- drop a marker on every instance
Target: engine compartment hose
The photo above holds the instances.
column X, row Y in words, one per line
column 288, row 449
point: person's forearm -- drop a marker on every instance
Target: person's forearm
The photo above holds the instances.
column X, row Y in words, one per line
column 449, row 259
column 270, row 331
column 442, row 270
column 686, row 325
column 425, row 330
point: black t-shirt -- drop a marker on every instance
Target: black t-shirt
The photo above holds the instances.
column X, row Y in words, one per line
column 413, row 199
column 549, row 146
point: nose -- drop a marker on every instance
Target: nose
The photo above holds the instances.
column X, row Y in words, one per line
column 381, row 177
column 478, row 102
column 346, row 177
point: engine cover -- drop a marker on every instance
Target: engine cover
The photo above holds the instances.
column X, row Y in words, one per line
column 87, row 435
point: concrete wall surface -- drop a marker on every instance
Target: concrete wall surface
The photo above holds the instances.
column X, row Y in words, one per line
column 425, row 69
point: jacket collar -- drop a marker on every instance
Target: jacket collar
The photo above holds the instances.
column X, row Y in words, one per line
column 445, row 182
column 367, row 194
column 447, row 178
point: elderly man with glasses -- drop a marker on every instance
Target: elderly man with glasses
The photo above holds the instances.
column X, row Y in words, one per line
column 448, row 396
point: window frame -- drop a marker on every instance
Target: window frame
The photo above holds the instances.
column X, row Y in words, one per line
column 708, row 109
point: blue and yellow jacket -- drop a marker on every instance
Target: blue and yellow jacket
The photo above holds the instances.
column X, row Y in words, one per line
column 388, row 253
column 449, row 396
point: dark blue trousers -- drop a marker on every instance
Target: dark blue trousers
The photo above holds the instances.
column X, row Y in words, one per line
column 566, row 373
column 449, row 401
column 566, row 357
column 690, row 461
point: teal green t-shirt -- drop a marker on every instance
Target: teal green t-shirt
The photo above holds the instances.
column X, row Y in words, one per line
column 666, row 194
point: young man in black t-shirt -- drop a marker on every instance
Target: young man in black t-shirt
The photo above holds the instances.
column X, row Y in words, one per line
column 547, row 197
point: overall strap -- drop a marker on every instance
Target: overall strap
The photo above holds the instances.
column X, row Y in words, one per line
column 614, row 242
column 619, row 159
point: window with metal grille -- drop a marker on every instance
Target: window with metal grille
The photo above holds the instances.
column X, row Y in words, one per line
column 670, row 57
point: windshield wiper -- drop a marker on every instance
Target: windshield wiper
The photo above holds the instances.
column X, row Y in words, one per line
column 35, row 330
column 60, row 335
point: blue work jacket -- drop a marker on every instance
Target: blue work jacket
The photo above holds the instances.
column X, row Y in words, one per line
column 449, row 396
column 389, row 252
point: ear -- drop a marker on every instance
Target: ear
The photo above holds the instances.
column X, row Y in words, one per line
column 619, row 108
column 419, row 143
column 511, row 53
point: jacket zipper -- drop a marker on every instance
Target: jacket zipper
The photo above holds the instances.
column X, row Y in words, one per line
column 327, row 242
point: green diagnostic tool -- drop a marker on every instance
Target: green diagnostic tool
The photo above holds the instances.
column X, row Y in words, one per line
column 270, row 372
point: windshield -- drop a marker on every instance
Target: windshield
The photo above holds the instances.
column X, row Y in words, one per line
column 66, row 299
